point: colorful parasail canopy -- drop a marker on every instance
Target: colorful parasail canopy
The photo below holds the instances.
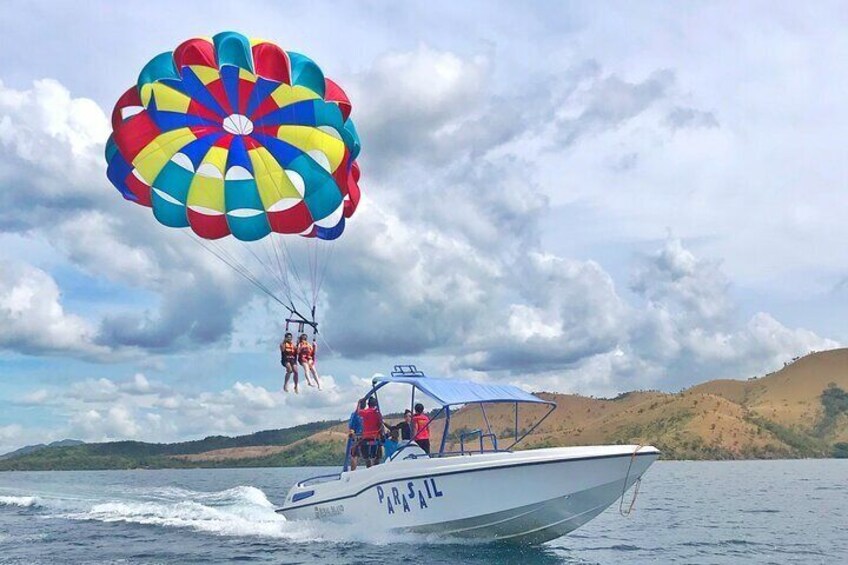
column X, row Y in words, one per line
column 232, row 135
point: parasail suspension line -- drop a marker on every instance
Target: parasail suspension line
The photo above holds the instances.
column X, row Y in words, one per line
column 223, row 256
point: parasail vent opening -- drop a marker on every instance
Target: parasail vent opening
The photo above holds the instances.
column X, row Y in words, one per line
column 238, row 124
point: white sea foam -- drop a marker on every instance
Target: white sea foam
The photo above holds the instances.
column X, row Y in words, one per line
column 239, row 511
column 22, row 501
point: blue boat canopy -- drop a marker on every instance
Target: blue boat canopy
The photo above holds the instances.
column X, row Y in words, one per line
column 451, row 392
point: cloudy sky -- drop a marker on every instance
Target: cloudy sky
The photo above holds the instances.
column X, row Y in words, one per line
column 560, row 196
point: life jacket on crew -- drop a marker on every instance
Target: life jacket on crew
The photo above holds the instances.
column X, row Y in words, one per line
column 289, row 350
column 421, row 421
column 305, row 351
column 372, row 421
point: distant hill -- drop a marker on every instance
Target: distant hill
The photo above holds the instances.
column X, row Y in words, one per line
column 798, row 411
column 137, row 454
column 32, row 448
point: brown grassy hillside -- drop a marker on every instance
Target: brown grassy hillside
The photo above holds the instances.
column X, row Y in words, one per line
column 778, row 415
column 332, row 435
column 789, row 396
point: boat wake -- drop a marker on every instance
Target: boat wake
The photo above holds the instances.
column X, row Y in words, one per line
column 22, row 501
column 242, row 511
column 238, row 511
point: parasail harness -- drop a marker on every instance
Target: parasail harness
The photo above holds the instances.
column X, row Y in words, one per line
column 301, row 322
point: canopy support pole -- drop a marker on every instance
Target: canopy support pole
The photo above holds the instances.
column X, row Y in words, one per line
column 516, row 424
column 485, row 418
column 531, row 430
column 446, row 430
column 348, row 445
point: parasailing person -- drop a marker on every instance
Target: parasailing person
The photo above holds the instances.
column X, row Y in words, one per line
column 306, row 358
column 288, row 358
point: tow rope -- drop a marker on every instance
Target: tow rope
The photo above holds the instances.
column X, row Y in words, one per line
column 636, row 486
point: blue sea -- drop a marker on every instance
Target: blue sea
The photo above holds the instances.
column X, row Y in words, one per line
column 687, row 512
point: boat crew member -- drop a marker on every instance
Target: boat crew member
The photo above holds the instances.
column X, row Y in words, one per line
column 372, row 427
column 421, row 428
column 354, row 432
column 288, row 359
column 390, row 445
column 306, row 356
column 405, row 427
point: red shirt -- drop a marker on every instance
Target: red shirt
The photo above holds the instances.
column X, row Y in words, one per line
column 372, row 421
column 421, row 421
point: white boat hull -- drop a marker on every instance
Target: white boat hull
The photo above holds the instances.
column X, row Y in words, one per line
column 526, row 497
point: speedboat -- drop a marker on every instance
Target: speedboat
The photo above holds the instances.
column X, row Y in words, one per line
column 474, row 489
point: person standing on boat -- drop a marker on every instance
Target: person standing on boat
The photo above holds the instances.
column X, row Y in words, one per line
column 405, row 427
column 372, row 427
column 288, row 359
column 354, row 434
column 421, row 428
column 306, row 356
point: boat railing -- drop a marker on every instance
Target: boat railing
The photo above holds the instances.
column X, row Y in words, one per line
column 454, row 454
column 319, row 479
column 478, row 432
column 337, row 476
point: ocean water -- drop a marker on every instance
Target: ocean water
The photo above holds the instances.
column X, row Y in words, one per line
column 687, row 512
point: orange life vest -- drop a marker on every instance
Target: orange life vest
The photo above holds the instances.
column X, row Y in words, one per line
column 305, row 351
column 289, row 350
column 421, row 421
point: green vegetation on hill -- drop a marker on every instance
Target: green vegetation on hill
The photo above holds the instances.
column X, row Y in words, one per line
column 835, row 403
column 802, row 444
column 33, row 448
column 141, row 455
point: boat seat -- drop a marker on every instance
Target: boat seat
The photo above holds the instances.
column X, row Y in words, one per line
column 412, row 451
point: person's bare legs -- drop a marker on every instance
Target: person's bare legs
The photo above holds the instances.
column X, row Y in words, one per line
column 314, row 374
column 306, row 373
column 295, row 381
column 289, row 371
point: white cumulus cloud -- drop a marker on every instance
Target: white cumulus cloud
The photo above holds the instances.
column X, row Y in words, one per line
column 33, row 319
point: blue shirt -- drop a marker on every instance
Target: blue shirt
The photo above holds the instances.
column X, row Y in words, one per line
column 389, row 448
column 355, row 423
